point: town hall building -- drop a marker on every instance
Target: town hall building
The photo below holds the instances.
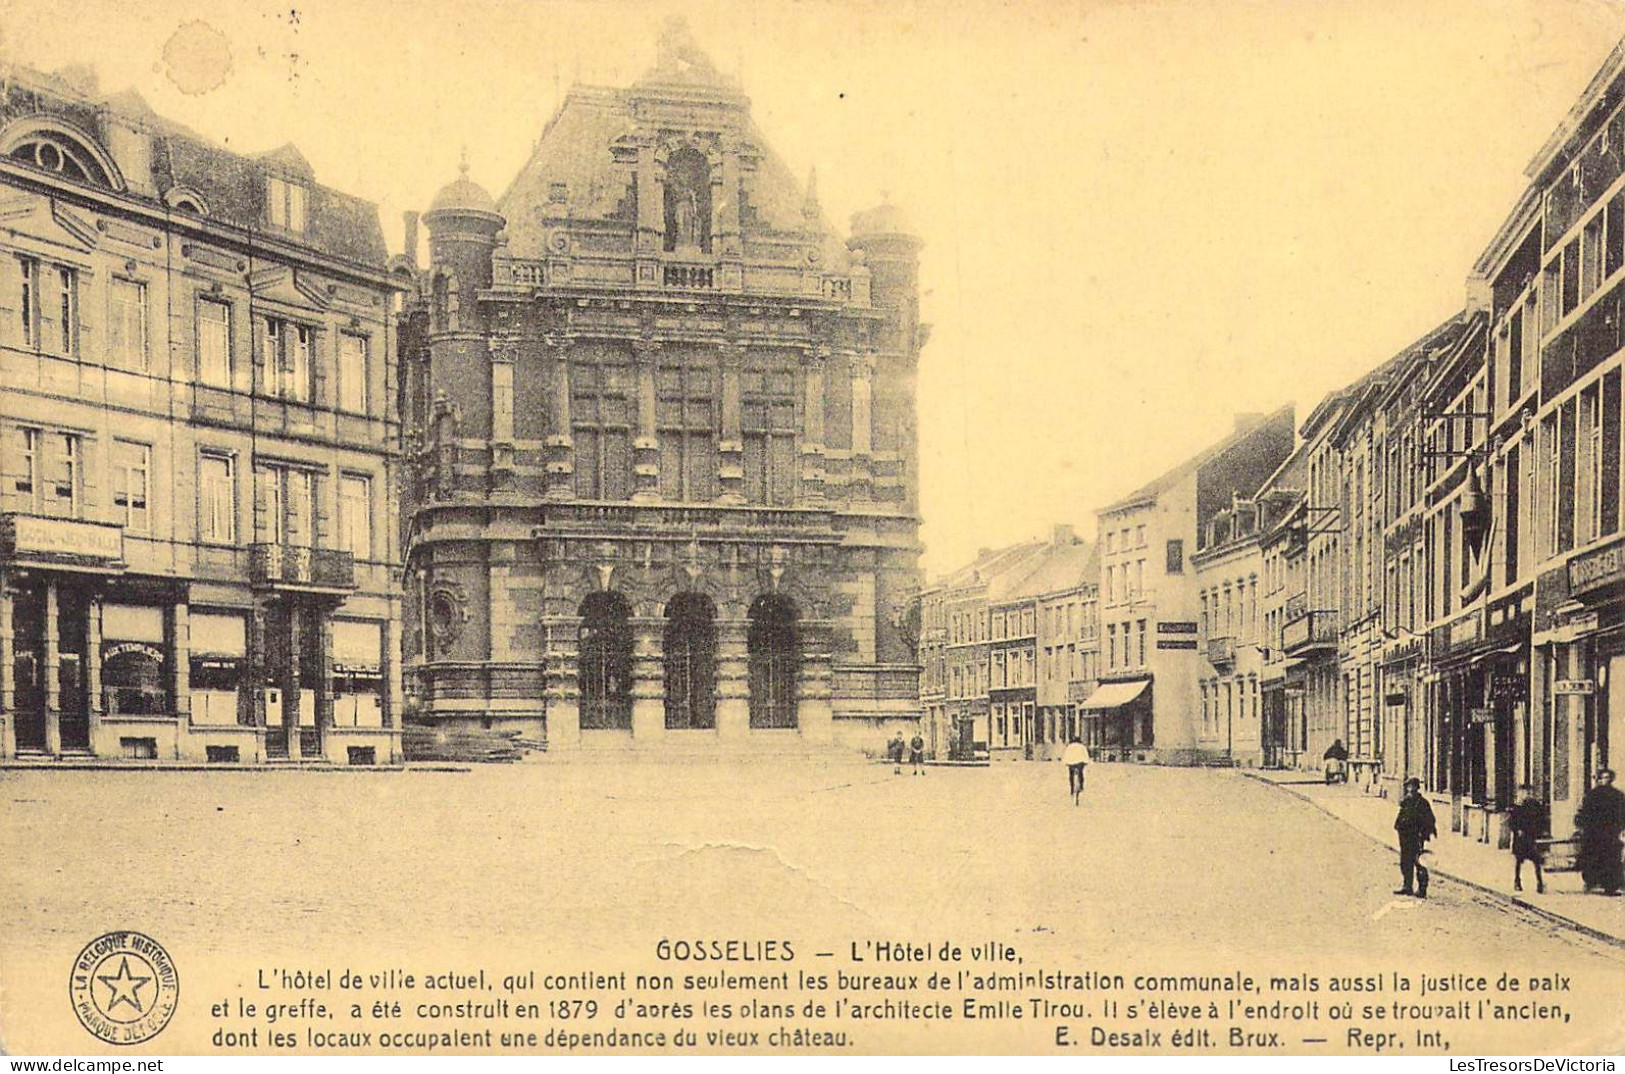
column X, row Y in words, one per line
column 663, row 468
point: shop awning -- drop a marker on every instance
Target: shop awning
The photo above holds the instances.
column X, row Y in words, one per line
column 1112, row 694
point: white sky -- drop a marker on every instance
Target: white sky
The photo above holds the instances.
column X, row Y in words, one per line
column 1140, row 217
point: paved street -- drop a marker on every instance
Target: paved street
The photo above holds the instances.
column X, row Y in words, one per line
column 561, row 862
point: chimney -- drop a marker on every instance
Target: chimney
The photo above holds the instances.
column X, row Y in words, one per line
column 1247, row 419
column 410, row 219
column 1063, row 535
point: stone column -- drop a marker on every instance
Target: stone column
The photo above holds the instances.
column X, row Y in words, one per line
column 53, row 677
column 562, row 687
column 504, row 355
column 560, row 460
column 651, row 215
column 733, row 679
column 731, row 448
column 812, row 440
column 289, row 685
column 93, row 668
column 646, row 443
column 392, row 667
column 322, row 622
column 648, row 679
column 8, row 673
column 251, row 689
column 814, row 708
column 861, row 484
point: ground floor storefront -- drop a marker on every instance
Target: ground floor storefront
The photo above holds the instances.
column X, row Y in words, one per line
column 96, row 663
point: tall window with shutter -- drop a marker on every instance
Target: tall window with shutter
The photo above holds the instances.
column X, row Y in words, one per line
column 686, row 422
column 768, row 424
column 601, row 419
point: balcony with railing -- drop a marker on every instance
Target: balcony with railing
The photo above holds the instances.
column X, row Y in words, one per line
column 301, row 569
column 1221, row 652
column 1309, row 633
column 689, row 277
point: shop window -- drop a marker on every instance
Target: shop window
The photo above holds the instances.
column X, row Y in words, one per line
column 358, row 674
column 135, row 666
column 219, row 649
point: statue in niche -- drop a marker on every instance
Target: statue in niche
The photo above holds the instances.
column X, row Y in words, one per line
column 688, row 201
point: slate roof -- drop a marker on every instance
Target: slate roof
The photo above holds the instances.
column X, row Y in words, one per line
column 233, row 184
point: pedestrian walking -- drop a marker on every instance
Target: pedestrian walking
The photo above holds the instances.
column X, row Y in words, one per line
column 1415, row 826
column 1529, row 822
column 1600, row 820
column 1076, row 758
column 894, row 750
column 916, row 753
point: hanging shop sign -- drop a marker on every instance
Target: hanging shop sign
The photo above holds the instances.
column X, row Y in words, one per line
column 1166, row 626
column 1508, row 687
column 1573, row 687
column 1176, row 643
column 1481, row 715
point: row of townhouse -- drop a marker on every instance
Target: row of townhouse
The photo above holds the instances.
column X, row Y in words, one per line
column 1009, row 649
column 198, row 445
column 1455, row 607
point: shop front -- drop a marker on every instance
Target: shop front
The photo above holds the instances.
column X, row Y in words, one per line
column 1579, row 685
column 1120, row 714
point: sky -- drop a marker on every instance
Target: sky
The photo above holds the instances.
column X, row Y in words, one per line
column 1141, row 218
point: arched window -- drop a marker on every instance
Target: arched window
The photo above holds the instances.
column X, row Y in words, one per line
column 62, row 153
column 691, row 662
column 688, row 201
column 775, row 661
column 606, row 662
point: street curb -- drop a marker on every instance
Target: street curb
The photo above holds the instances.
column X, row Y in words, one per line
column 194, row 766
column 1539, row 911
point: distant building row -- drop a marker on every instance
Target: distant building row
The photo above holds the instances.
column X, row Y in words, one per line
column 1432, row 571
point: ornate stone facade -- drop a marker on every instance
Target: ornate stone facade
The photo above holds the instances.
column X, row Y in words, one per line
column 662, row 420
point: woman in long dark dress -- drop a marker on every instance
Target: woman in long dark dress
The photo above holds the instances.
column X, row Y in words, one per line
column 1600, row 820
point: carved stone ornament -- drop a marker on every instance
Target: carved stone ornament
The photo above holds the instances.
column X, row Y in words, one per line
column 448, row 610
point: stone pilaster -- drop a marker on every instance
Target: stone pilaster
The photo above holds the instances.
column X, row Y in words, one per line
column 646, row 442
column 93, row 669
column 8, row 673
column 53, row 673
column 860, row 486
column 648, row 679
column 560, row 457
column 814, row 708
column 290, row 685
column 733, row 679
column 812, row 440
column 731, row 447
column 563, row 685
column 504, row 356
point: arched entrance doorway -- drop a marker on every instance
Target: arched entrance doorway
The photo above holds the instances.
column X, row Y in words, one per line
column 775, row 661
column 605, row 662
column 691, row 662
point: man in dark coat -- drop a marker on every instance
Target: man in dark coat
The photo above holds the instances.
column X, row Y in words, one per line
column 1529, row 822
column 1415, row 826
column 1600, row 820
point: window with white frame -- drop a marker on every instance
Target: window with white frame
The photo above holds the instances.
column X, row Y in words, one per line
column 217, row 498
column 132, row 484
column 214, row 343
column 26, row 473
column 64, row 484
column 287, row 349
column 355, row 515
column 49, row 307
column 353, row 373
column 288, row 498
column 127, row 324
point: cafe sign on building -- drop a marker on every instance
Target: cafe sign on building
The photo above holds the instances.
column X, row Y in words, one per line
column 61, row 541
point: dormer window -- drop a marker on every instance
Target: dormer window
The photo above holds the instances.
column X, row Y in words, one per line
column 285, row 204
column 61, row 153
